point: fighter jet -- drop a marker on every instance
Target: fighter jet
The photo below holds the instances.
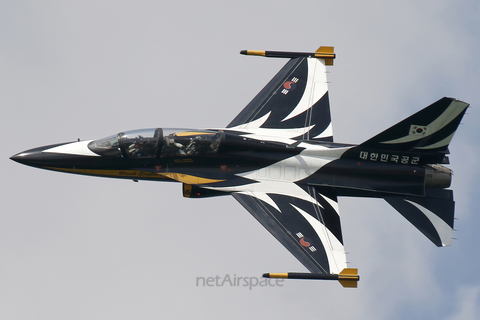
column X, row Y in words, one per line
column 278, row 159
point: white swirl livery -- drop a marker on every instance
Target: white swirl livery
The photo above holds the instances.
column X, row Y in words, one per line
column 277, row 158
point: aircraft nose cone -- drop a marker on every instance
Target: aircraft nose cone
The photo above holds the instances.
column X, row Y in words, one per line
column 18, row 157
column 33, row 157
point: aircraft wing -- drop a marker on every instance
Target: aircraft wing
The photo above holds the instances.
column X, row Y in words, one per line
column 294, row 104
column 305, row 220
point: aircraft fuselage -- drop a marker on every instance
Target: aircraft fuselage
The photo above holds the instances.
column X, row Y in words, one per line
column 223, row 162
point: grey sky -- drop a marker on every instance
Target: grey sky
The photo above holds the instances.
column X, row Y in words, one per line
column 74, row 247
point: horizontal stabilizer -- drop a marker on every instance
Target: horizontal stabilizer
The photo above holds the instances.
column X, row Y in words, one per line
column 433, row 215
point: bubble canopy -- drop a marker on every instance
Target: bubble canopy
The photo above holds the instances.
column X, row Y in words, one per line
column 157, row 142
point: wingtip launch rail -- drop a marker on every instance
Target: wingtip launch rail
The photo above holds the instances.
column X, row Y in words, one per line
column 324, row 52
column 348, row 277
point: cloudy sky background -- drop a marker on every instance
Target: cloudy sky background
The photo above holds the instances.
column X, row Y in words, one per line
column 75, row 247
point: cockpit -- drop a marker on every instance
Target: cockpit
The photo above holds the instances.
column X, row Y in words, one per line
column 154, row 143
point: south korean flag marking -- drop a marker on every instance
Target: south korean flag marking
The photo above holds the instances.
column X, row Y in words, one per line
column 289, row 85
column 419, row 130
column 305, row 242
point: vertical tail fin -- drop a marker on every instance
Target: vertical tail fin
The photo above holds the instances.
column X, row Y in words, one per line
column 425, row 135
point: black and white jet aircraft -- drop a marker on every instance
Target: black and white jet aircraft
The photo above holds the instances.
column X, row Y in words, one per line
column 278, row 159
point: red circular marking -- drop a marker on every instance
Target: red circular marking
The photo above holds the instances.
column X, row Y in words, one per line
column 288, row 85
column 359, row 163
column 304, row 243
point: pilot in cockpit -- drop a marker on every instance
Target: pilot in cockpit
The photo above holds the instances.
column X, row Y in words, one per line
column 171, row 143
column 135, row 149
